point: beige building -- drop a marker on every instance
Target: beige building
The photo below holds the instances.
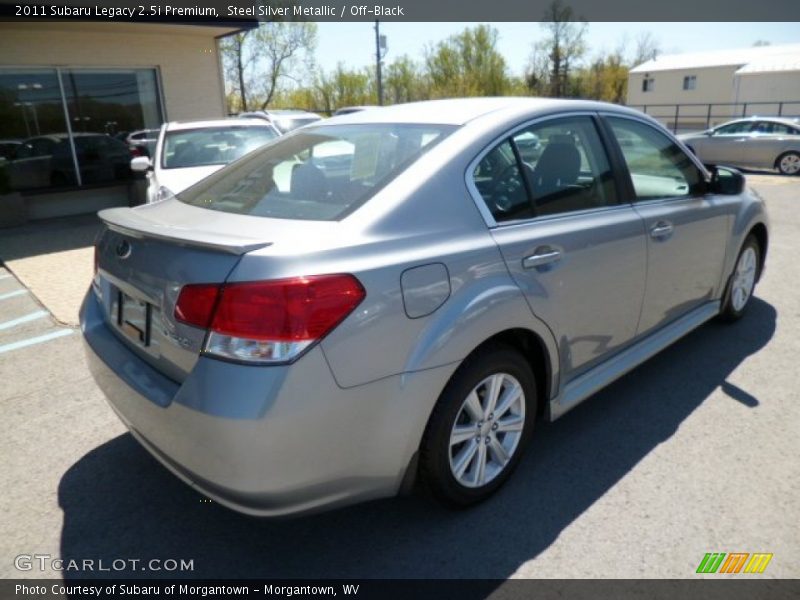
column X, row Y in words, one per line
column 76, row 98
column 706, row 88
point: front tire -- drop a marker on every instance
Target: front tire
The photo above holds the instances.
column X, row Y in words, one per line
column 740, row 287
column 479, row 427
column 788, row 163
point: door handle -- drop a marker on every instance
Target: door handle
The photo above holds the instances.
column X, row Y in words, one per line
column 661, row 230
column 541, row 257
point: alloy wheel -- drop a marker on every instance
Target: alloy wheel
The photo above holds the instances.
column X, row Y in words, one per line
column 487, row 430
column 789, row 164
column 744, row 279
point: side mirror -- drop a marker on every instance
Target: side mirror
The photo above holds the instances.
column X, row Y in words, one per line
column 709, row 132
column 726, row 181
column 140, row 164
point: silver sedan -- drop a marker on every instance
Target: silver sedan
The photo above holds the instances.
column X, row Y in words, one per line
column 397, row 295
column 755, row 142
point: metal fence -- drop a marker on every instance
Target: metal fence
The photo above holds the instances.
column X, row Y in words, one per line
column 682, row 118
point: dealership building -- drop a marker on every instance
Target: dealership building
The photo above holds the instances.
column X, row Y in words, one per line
column 71, row 94
column 700, row 89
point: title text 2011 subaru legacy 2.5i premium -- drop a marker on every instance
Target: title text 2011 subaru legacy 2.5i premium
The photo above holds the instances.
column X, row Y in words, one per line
column 398, row 294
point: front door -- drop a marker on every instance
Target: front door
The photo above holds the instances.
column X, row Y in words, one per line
column 687, row 230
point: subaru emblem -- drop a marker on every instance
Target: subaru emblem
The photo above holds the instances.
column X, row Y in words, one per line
column 123, row 249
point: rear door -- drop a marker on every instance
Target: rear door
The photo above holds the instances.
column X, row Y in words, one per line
column 577, row 252
column 687, row 229
column 768, row 140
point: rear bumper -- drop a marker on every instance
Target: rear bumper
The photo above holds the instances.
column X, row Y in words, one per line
column 267, row 441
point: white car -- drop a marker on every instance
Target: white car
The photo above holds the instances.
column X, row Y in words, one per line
column 188, row 151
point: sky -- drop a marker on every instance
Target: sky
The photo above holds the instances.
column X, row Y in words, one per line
column 354, row 43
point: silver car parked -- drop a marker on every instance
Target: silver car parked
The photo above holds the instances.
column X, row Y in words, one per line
column 396, row 295
column 755, row 142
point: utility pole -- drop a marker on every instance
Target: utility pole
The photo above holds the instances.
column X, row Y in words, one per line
column 380, row 52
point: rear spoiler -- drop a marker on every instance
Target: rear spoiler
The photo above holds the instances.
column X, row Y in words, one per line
column 131, row 223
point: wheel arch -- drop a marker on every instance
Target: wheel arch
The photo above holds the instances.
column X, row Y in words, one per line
column 759, row 231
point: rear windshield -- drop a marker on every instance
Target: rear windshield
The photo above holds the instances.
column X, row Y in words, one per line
column 212, row 145
column 317, row 173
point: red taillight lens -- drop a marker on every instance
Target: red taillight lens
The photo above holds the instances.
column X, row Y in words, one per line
column 282, row 310
column 286, row 310
column 195, row 304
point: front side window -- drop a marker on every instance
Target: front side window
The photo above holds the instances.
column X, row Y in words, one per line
column 316, row 173
column 734, row 128
column 557, row 166
column 657, row 166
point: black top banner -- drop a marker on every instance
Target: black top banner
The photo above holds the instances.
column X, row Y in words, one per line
column 204, row 11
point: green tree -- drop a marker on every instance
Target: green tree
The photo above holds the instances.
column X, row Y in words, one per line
column 403, row 81
column 467, row 64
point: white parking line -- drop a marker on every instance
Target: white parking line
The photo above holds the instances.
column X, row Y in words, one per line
column 6, row 276
column 19, row 321
column 13, row 294
column 35, row 340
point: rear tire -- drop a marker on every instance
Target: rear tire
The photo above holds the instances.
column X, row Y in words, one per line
column 788, row 163
column 479, row 427
column 739, row 291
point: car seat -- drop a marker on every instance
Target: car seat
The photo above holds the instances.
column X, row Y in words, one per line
column 308, row 182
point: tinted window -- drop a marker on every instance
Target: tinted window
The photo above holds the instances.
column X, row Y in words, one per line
column 212, row 145
column 318, row 173
column 658, row 167
column 499, row 182
column 564, row 167
column 771, row 127
column 734, row 128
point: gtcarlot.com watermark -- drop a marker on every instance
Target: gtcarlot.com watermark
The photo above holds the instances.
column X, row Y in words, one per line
column 46, row 562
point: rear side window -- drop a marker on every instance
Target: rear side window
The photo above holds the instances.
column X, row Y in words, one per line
column 557, row 166
column 658, row 167
column 319, row 173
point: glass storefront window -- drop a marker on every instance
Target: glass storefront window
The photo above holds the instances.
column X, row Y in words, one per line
column 52, row 120
column 32, row 126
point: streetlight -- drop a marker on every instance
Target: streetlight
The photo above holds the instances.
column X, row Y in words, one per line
column 380, row 52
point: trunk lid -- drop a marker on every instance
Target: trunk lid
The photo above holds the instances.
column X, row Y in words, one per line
column 146, row 255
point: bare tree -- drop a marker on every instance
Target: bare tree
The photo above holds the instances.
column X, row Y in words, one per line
column 235, row 64
column 257, row 61
column 562, row 49
column 646, row 48
column 283, row 51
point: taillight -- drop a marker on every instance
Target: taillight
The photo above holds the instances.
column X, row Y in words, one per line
column 268, row 321
column 195, row 304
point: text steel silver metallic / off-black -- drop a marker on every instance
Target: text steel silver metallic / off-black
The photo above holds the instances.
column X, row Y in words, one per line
column 394, row 296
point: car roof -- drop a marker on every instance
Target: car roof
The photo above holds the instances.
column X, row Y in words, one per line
column 785, row 120
column 460, row 111
column 292, row 113
column 232, row 122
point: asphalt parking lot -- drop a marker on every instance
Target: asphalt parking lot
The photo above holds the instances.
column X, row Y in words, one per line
column 696, row 451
